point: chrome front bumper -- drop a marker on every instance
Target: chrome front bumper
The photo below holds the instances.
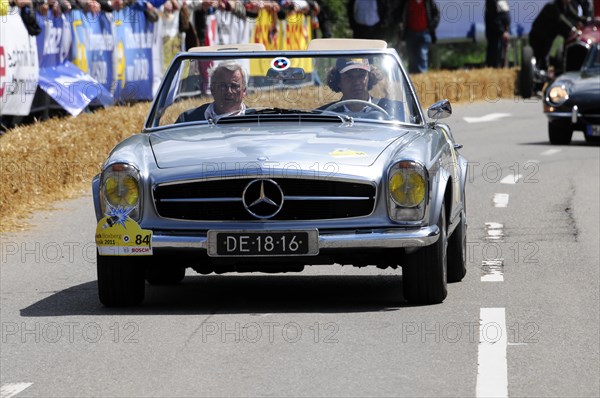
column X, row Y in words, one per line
column 372, row 239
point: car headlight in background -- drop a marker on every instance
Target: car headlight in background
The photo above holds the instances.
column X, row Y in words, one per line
column 557, row 95
column 407, row 191
column 120, row 187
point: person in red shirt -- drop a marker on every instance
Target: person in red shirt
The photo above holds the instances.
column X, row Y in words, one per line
column 418, row 21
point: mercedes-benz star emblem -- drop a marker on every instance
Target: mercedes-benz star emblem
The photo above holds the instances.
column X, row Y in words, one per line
column 263, row 198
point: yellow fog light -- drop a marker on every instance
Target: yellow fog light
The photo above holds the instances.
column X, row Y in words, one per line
column 407, row 188
column 121, row 187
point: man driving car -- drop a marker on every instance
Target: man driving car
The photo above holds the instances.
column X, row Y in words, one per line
column 228, row 82
column 354, row 78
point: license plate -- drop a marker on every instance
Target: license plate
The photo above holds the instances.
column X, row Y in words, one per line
column 262, row 244
column 593, row 130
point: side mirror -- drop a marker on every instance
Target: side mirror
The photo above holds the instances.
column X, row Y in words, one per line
column 440, row 110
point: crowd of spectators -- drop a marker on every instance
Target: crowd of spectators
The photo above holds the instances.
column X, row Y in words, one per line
column 412, row 22
column 194, row 12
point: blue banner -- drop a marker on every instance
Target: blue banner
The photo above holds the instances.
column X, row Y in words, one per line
column 133, row 43
column 93, row 46
column 71, row 88
column 54, row 41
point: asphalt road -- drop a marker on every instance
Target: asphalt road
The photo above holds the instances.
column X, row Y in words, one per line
column 524, row 322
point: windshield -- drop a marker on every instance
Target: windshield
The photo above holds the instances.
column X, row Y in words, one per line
column 200, row 88
column 594, row 58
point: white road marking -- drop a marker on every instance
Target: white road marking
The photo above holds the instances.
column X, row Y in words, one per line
column 494, row 231
column 492, row 278
column 550, row 152
column 495, row 234
column 500, row 200
column 492, row 372
column 493, row 267
column 494, row 270
column 491, row 117
column 511, row 179
column 8, row 390
column 493, row 225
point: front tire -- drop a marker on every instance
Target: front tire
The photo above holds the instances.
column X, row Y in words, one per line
column 457, row 251
column 526, row 73
column 560, row 132
column 120, row 280
column 425, row 274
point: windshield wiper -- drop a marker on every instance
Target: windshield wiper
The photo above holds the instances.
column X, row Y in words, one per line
column 279, row 114
column 280, row 111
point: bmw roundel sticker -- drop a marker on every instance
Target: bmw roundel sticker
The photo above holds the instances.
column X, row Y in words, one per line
column 280, row 63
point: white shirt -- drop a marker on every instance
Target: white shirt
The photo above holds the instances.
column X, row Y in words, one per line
column 210, row 113
column 502, row 6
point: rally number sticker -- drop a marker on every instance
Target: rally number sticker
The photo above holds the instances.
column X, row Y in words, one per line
column 116, row 237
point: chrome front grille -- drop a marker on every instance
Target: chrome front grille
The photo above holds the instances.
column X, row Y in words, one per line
column 303, row 199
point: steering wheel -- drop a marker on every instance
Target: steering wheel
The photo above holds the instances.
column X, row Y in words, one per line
column 357, row 101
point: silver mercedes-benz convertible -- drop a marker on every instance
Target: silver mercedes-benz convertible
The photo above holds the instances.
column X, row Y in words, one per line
column 270, row 161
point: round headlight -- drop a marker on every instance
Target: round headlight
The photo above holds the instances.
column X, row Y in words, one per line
column 558, row 95
column 407, row 188
column 121, row 189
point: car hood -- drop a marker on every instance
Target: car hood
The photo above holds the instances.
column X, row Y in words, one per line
column 356, row 145
column 587, row 83
column 582, row 83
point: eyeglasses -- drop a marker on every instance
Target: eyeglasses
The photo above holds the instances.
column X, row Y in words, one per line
column 234, row 87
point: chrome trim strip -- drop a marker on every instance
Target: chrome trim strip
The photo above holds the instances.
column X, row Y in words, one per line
column 570, row 114
column 209, row 200
column 381, row 238
column 276, row 174
column 332, row 198
column 200, row 200
column 559, row 114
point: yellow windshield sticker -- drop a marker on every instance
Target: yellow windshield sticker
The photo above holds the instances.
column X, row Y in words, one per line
column 347, row 153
